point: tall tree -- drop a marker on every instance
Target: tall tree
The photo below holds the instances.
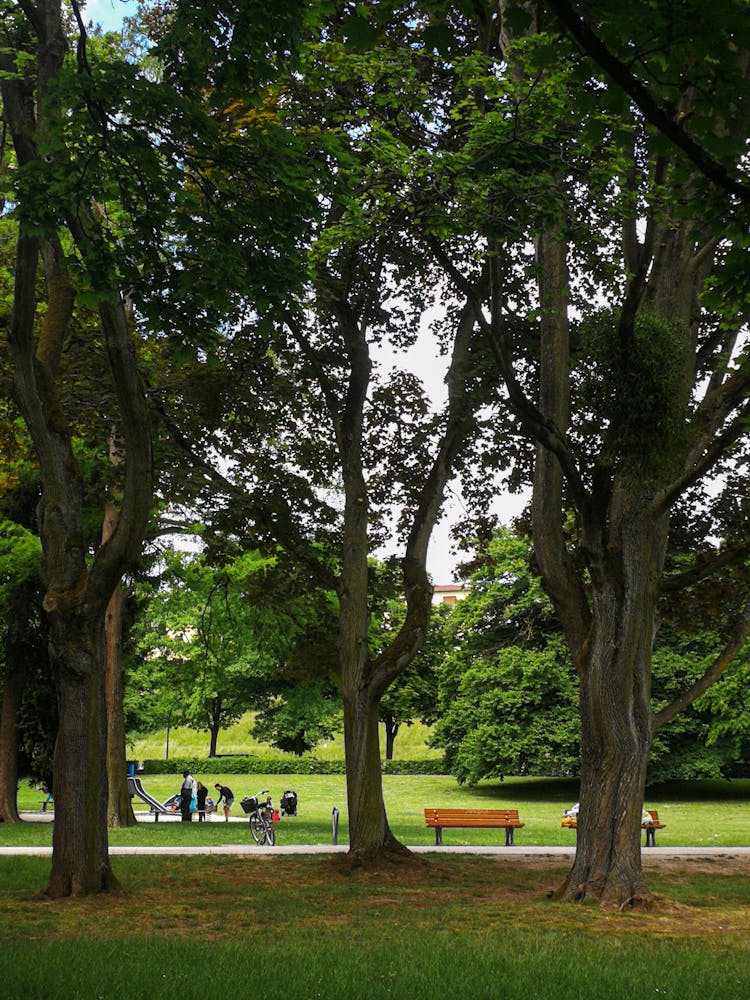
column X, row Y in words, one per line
column 626, row 365
column 62, row 228
column 364, row 282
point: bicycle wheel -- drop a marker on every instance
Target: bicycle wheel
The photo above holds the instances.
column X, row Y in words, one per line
column 270, row 833
column 257, row 828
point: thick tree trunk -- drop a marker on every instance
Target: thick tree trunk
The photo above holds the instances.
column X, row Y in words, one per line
column 11, row 701
column 370, row 836
column 77, row 590
column 616, row 718
column 80, row 861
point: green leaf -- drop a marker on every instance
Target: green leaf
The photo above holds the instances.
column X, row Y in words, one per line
column 359, row 34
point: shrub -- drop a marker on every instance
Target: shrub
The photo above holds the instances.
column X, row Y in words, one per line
column 253, row 764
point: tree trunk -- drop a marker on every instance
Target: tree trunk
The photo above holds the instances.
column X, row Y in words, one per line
column 364, row 680
column 616, row 718
column 370, row 836
column 214, row 725
column 119, row 806
column 11, row 701
column 80, row 861
column 391, row 732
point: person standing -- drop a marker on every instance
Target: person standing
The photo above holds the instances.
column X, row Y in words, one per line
column 200, row 796
column 228, row 796
column 188, row 790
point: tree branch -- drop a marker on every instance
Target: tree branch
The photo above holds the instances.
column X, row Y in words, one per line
column 544, row 431
column 701, row 571
column 655, row 113
column 417, row 587
column 287, row 538
column 711, row 444
column 714, row 672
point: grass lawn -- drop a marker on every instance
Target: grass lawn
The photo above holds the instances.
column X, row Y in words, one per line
column 411, row 743
column 697, row 814
column 305, row 927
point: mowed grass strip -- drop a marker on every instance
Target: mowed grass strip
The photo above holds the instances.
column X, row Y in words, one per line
column 307, row 927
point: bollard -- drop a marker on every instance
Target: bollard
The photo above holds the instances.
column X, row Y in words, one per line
column 335, row 825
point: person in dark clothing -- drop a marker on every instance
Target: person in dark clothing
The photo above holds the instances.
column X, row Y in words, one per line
column 228, row 796
column 200, row 796
column 186, row 796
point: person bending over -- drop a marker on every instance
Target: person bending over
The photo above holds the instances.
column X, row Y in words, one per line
column 227, row 797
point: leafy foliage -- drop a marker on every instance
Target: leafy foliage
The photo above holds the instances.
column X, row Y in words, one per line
column 507, row 692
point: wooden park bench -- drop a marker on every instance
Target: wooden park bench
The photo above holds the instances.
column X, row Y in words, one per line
column 505, row 819
column 572, row 824
column 651, row 828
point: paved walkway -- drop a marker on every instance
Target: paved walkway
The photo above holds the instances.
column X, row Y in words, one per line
column 279, row 850
column 283, row 850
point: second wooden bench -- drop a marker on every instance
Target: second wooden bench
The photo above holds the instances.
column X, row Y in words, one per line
column 572, row 824
column 504, row 819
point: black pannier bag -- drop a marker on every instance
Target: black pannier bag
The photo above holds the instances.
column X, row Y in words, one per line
column 288, row 804
column 249, row 804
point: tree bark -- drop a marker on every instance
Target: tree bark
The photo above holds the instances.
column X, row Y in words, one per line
column 391, row 732
column 80, row 860
column 616, row 717
column 120, row 804
column 11, row 701
column 369, row 833
column 214, row 726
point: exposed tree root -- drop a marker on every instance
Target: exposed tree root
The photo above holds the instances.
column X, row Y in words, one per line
column 72, row 887
column 374, row 858
column 608, row 895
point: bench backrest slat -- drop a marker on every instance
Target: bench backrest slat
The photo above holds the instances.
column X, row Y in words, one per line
column 489, row 815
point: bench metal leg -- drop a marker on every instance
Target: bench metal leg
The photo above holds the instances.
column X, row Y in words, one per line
column 650, row 836
column 438, row 836
column 509, row 836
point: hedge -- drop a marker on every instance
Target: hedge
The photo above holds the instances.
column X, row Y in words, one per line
column 252, row 764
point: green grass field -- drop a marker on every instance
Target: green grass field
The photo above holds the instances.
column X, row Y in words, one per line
column 696, row 814
column 311, row 927
column 302, row 928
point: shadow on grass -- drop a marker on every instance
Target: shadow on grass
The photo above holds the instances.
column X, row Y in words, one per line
column 567, row 790
column 701, row 791
column 530, row 790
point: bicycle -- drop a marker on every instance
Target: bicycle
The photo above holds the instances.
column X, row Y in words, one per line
column 261, row 818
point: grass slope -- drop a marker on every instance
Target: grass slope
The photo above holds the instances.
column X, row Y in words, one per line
column 411, row 743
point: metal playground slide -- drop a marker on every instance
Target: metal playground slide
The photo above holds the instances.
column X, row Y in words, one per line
column 135, row 787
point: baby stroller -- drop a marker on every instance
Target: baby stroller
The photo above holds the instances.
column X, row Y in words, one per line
column 288, row 804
